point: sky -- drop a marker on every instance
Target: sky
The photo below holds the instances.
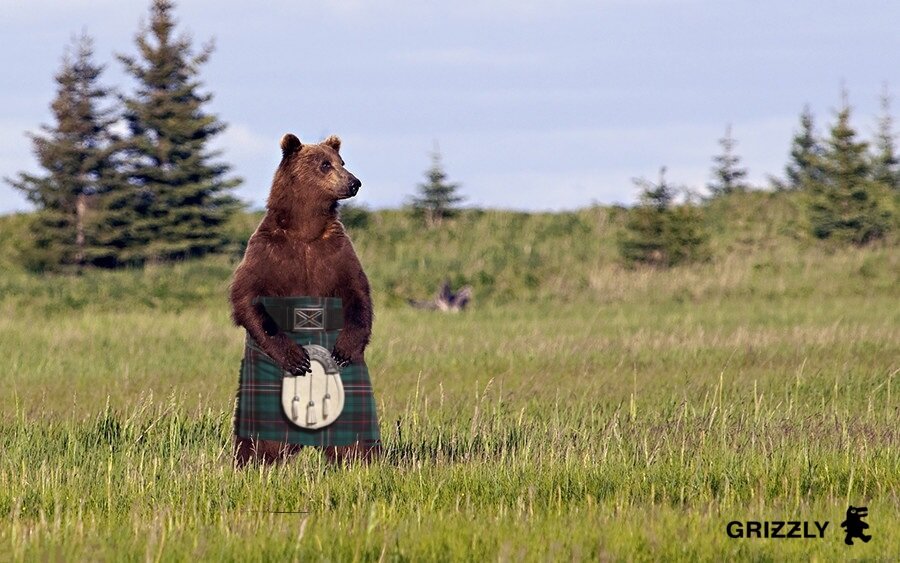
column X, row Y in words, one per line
column 534, row 104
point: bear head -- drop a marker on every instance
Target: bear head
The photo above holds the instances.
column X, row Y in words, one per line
column 312, row 176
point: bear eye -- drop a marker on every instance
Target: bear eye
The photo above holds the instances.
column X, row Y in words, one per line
column 325, row 165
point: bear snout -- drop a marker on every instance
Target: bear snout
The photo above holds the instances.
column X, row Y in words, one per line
column 353, row 186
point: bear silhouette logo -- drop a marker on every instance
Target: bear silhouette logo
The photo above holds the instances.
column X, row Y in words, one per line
column 854, row 525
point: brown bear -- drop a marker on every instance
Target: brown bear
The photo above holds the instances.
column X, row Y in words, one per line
column 300, row 248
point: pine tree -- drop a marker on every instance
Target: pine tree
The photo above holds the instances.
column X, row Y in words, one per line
column 182, row 196
column 806, row 152
column 845, row 206
column 660, row 233
column 885, row 162
column 77, row 154
column 437, row 198
column 728, row 177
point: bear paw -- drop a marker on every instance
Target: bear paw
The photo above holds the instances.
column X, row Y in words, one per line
column 294, row 358
column 343, row 356
column 340, row 358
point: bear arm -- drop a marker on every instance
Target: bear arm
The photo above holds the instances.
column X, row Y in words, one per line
column 257, row 322
column 244, row 312
column 357, row 302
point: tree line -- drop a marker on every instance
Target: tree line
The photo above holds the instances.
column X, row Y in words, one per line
column 130, row 178
column 156, row 191
column 850, row 190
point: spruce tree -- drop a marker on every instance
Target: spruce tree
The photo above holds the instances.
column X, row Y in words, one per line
column 182, row 198
column 437, row 197
column 76, row 153
column 657, row 231
column 885, row 162
column 845, row 206
column 728, row 177
column 806, row 152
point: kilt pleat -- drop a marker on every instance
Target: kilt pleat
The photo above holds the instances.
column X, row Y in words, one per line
column 258, row 413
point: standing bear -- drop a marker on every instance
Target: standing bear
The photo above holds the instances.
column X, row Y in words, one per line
column 300, row 254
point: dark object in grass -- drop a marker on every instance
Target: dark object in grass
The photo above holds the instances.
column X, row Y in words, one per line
column 446, row 300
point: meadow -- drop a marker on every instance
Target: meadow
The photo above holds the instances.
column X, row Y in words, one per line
column 580, row 410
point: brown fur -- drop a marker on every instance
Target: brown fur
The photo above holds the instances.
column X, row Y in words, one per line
column 300, row 248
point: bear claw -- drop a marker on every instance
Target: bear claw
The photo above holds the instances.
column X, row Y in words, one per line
column 341, row 360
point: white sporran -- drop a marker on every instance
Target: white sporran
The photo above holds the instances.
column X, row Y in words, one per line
column 316, row 399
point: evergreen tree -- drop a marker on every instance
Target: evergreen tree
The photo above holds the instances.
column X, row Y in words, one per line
column 182, row 196
column 660, row 233
column 76, row 152
column 885, row 163
column 806, row 152
column 728, row 177
column 437, row 197
column 845, row 205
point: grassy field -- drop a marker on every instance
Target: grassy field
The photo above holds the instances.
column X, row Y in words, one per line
column 579, row 411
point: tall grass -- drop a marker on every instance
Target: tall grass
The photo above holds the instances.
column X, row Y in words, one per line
column 597, row 413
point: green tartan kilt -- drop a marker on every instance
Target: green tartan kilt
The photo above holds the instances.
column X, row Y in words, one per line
column 259, row 414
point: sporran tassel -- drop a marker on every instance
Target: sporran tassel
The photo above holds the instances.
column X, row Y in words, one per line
column 325, row 400
column 295, row 403
column 311, row 407
column 311, row 413
column 295, row 409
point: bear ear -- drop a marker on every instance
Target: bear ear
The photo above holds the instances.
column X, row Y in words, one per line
column 334, row 142
column 290, row 144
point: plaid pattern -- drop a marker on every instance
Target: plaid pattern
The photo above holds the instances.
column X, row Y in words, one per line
column 259, row 414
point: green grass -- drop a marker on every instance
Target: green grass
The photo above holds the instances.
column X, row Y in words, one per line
column 588, row 412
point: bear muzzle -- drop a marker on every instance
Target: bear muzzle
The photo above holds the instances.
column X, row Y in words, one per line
column 353, row 186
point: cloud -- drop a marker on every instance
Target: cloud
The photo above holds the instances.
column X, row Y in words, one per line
column 563, row 168
column 468, row 56
column 240, row 141
column 506, row 9
column 544, row 191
